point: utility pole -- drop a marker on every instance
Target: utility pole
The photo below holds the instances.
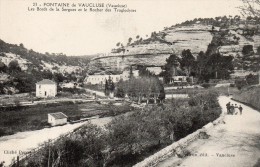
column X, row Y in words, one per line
column 259, row 77
column 258, row 70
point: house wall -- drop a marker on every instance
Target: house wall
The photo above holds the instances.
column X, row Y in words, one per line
column 46, row 90
column 54, row 122
column 101, row 79
column 179, row 79
column 60, row 121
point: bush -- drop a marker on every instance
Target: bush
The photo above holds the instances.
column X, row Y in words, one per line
column 17, row 102
column 205, row 85
column 250, row 96
column 74, row 90
column 83, row 148
column 240, row 83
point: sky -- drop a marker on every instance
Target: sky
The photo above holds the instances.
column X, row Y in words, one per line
column 85, row 33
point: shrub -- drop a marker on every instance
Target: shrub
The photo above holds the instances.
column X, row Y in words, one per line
column 250, row 96
column 205, row 85
column 240, row 83
column 81, row 149
column 74, row 90
column 17, row 102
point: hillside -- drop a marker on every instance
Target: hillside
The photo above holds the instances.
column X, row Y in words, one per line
column 21, row 68
column 224, row 35
column 41, row 61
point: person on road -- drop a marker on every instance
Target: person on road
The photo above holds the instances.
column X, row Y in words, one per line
column 228, row 107
column 232, row 109
column 236, row 109
column 240, row 109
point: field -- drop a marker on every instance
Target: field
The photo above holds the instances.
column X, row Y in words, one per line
column 25, row 118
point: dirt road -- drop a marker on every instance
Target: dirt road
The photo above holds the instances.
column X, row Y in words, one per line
column 233, row 144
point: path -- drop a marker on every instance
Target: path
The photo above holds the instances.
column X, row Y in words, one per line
column 238, row 140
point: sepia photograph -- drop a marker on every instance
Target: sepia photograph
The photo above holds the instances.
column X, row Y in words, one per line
column 129, row 83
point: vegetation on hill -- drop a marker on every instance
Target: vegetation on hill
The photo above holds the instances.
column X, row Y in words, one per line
column 23, row 81
column 36, row 57
column 224, row 22
column 223, row 30
column 207, row 66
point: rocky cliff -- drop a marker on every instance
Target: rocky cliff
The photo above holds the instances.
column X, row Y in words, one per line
column 153, row 51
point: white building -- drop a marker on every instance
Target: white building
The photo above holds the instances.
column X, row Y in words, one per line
column 57, row 118
column 46, row 88
column 180, row 79
column 101, row 79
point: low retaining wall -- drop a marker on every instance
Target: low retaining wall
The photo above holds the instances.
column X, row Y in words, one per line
column 177, row 147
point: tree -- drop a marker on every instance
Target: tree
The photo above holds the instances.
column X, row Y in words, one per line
column 83, row 148
column 170, row 68
column 14, row 67
column 136, row 132
column 46, row 74
column 147, row 88
column 201, row 63
column 120, row 89
column 130, row 40
column 219, row 66
column 187, row 61
column 58, row 77
column 3, row 67
column 258, row 50
column 131, row 74
column 106, row 88
column 24, row 82
column 109, row 86
column 21, row 45
column 250, row 7
column 247, row 50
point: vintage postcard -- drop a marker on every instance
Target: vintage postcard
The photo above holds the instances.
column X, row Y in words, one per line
column 120, row 83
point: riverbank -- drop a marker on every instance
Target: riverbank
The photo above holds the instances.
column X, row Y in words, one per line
column 28, row 118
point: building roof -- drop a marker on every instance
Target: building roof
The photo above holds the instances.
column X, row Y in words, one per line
column 58, row 115
column 46, row 81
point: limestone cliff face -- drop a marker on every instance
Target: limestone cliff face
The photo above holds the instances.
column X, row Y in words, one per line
column 195, row 37
column 153, row 51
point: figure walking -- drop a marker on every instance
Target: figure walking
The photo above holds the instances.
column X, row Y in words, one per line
column 236, row 109
column 232, row 109
column 228, row 107
column 240, row 109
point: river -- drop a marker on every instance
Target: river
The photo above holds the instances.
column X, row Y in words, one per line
column 13, row 145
